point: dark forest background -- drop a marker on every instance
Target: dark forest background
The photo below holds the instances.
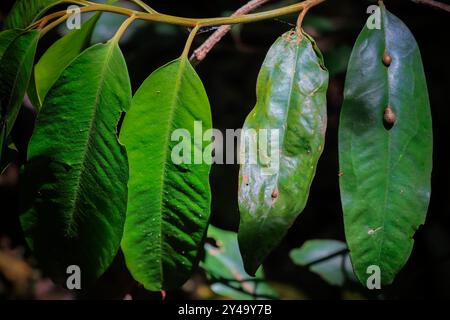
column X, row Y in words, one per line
column 229, row 74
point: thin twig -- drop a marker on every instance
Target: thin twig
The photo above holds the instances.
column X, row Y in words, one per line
column 192, row 22
column 182, row 21
column 201, row 52
column 50, row 26
column 434, row 4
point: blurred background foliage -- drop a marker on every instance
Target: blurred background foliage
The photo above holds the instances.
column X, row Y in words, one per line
column 302, row 267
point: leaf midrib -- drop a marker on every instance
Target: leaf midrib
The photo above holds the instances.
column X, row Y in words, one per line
column 182, row 64
column 16, row 78
column 289, row 103
column 389, row 148
column 88, row 141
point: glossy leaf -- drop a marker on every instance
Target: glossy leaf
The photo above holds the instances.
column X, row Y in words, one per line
column 6, row 38
column 25, row 12
column 168, row 203
column 225, row 269
column 17, row 50
column 291, row 94
column 385, row 183
column 75, row 180
column 327, row 258
column 59, row 56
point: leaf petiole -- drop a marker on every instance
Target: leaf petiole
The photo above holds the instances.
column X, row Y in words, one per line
column 52, row 25
column 189, row 41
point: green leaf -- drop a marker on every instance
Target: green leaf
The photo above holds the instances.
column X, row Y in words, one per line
column 25, row 12
column 327, row 258
column 76, row 176
column 385, row 164
column 59, row 56
column 32, row 93
column 291, row 93
column 17, row 50
column 168, row 203
column 225, row 269
column 6, row 38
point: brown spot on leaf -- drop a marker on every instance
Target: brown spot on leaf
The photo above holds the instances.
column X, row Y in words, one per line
column 245, row 180
column 389, row 118
column 275, row 193
column 387, row 59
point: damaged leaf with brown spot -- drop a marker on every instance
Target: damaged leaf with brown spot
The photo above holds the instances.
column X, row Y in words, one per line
column 385, row 148
column 283, row 138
